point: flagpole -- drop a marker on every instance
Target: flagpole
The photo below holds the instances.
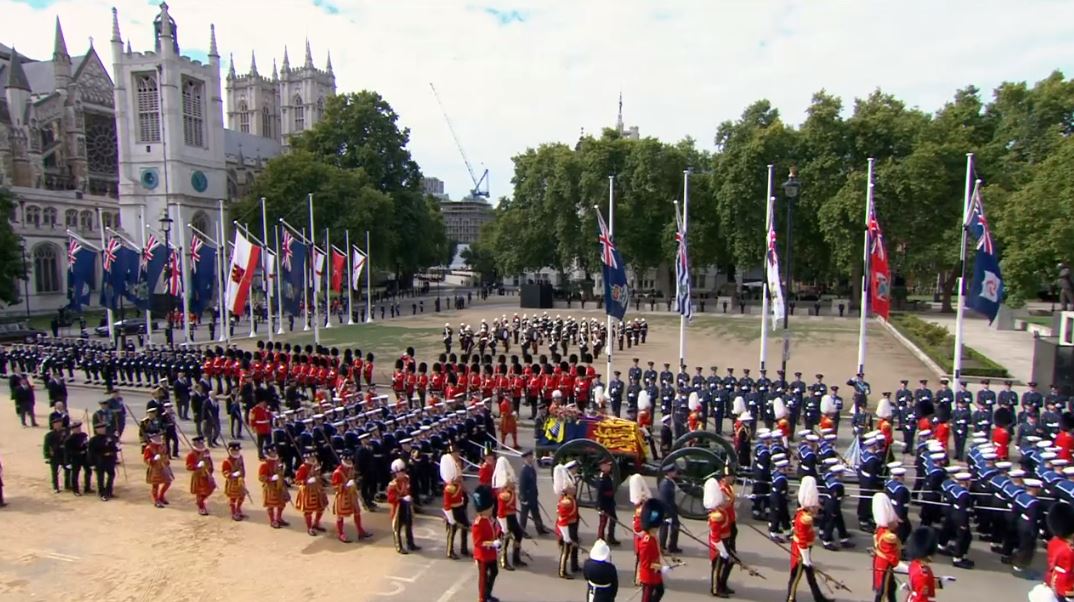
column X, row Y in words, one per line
column 279, row 282
column 865, row 292
column 368, row 280
column 350, row 277
column 225, row 316
column 764, row 290
column 328, row 280
column 108, row 310
column 149, row 292
column 685, row 229
column 316, row 310
column 608, row 318
column 306, row 281
column 253, row 330
column 183, row 264
column 267, row 267
column 956, row 364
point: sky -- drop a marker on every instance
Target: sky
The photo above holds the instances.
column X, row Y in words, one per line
column 513, row 74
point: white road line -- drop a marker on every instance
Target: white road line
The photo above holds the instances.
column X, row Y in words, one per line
column 60, row 557
column 455, row 587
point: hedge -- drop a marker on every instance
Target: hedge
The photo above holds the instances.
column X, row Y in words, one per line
column 939, row 345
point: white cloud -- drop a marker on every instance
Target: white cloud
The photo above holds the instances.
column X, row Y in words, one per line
column 515, row 74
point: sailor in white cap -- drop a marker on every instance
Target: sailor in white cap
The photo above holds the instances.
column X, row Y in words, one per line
column 602, row 579
column 831, row 517
column 899, row 495
column 778, row 514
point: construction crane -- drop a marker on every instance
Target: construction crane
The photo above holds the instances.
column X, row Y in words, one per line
column 477, row 191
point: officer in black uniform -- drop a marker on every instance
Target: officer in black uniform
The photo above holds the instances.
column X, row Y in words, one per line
column 103, row 454
column 961, row 420
column 615, row 391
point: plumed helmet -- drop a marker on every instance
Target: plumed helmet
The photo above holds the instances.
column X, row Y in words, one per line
column 922, row 543
column 449, row 470
column 924, row 409
column 779, row 409
column 644, row 403
column 503, row 473
column 1061, row 520
column 483, row 498
column 1003, row 416
column 808, row 496
column 399, row 466
column 738, row 406
column 639, row 489
column 827, row 405
column 883, row 408
column 883, row 510
column 561, row 479
column 693, row 402
column 713, row 497
column 653, row 514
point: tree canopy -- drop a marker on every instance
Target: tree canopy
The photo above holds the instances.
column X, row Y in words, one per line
column 12, row 267
column 1020, row 136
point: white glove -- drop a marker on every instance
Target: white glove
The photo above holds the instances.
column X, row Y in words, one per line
column 948, row 578
column 807, row 558
column 664, row 570
column 311, row 480
column 902, row 568
column 275, row 478
column 156, row 457
column 407, row 499
column 497, row 544
column 201, row 464
column 503, row 523
column 236, row 474
column 722, row 549
column 566, row 533
column 450, row 519
column 350, row 483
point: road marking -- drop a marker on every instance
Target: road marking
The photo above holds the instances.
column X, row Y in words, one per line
column 455, row 587
column 397, row 588
column 60, row 557
column 421, row 571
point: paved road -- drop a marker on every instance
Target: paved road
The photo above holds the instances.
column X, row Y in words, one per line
column 429, row 576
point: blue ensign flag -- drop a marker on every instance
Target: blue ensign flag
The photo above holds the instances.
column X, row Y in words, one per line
column 80, row 264
column 293, row 268
column 616, row 293
column 986, row 290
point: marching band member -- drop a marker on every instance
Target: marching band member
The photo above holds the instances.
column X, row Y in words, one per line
column 503, row 486
column 234, row 470
column 566, row 521
column 200, row 465
column 719, row 533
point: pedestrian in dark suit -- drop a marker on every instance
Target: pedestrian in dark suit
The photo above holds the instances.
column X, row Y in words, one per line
column 527, row 494
column 669, row 530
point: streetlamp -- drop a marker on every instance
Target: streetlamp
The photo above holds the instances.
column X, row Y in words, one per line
column 166, row 227
column 790, row 192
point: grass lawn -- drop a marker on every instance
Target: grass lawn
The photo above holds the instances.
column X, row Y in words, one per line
column 383, row 340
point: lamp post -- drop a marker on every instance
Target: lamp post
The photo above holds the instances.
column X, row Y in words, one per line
column 790, row 192
column 166, row 228
column 25, row 278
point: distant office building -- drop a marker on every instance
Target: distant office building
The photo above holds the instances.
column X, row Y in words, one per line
column 434, row 187
column 463, row 219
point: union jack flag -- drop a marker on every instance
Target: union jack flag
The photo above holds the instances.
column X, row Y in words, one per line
column 287, row 240
column 607, row 247
column 682, row 270
column 175, row 275
column 195, row 252
column 151, row 245
column 876, row 238
column 110, row 253
column 978, row 223
column 73, row 247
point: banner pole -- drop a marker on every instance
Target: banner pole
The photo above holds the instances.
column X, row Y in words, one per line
column 865, row 292
column 764, row 290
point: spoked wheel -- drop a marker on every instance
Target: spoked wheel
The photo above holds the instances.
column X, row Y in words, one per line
column 589, row 455
column 716, row 443
column 695, row 465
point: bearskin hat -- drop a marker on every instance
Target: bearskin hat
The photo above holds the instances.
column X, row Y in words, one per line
column 483, row 498
column 653, row 514
column 924, row 409
column 1066, row 421
column 1061, row 520
column 1003, row 416
column 921, row 544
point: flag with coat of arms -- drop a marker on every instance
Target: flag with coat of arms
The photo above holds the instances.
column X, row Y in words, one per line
column 616, row 293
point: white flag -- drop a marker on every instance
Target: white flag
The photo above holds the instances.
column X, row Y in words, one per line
column 271, row 257
column 357, row 263
column 243, row 265
column 318, row 268
column 775, row 290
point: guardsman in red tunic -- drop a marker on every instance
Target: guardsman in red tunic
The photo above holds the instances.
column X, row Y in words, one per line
column 273, row 486
column 941, row 431
column 422, row 383
column 312, row 499
column 399, row 379
column 1059, row 578
column 346, row 499
column 508, row 422
column 802, row 541
column 488, row 465
column 486, row 543
column 693, row 421
column 886, row 548
column 367, row 369
column 402, row 508
column 200, row 465
column 922, row 583
column 454, row 502
column 158, row 472
column 651, row 567
column 234, row 469
column 503, row 486
column 639, row 493
column 437, row 381
column 566, row 521
column 1001, row 434
column 719, row 536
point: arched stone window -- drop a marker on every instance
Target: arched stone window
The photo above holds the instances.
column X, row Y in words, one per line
column 244, row 117
column 32, row 216
column 70, row 218
column 49, row 217
column 300, row 114
column 266, row 123
column 85, row 220
column 201, row 222
column 46, row 268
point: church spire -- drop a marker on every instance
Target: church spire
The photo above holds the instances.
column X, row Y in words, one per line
column 275, row 74
column 16, row 77
column 231, row 69
column 59, row 44
column 286, row 61
column 115, row 25
column 619, row 119
column 309, row 55
column 328, row 67
column 253, row 64
column 212, row 41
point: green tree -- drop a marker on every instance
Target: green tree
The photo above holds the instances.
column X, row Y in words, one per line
column 12, row 267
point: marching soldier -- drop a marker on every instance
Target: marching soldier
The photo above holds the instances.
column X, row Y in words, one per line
column 651, row 567
column 345, row 503
column 886, row 548
column 605, row 504
column 503, row 486
column 954, row 539
column 76, row 455
column 921, row 582
column 802, row 542
column 1059, row 578
column 904, row 403
column 234, row 470
column 778, row 515
column 486, row 544
column 602, row 580
column 719, row 533
column 402, row 509
column 454, row 503
column 103, row 453
column 158, row 472
column 312, row 499
column 273, row 486
column 199, row 464
column 899, row 496
column 566, row 521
